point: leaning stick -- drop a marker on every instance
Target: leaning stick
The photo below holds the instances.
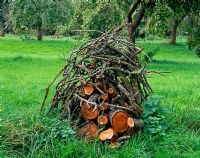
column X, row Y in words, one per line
column 47, row 90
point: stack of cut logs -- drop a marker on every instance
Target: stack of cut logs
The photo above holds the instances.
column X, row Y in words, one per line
column 108, row 111
column 102, row 89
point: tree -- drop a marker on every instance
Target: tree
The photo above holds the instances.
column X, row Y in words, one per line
column 138, row 9
column 109, row 14
column 179, row 9
column 105, row 16
column 41, row 14
column 193, row 29
column 94, row 15
column 168, row 15
column 158, row 21
column 5, row 18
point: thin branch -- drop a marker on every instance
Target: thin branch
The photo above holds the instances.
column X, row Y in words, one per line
column 47, row 91
column 88, row 31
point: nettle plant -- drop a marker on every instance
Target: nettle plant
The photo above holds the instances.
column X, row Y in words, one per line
column 153, row 116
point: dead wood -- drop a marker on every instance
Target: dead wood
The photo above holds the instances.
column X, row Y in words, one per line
column 103, row 85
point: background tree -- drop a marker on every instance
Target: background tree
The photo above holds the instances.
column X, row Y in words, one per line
column 94, row 15
column 158, row 21
column 178, row 9
column 109, row 14
column 41, row 14
column 5, row 16
column 168, row 15
column 178, row 13
column 106, row 16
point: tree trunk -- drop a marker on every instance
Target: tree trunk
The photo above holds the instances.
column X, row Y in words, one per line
column 174, row 29
column 131, row 32
column 174, row 32
column 133, row 24
column 39, row 32
column 2, row 33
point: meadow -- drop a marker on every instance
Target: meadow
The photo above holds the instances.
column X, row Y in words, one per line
column 26, row 68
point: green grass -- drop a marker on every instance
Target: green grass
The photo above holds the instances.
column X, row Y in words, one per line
column 26, row 68
column 49, row 48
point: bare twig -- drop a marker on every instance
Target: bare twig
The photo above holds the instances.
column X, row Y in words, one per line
column 47, row 90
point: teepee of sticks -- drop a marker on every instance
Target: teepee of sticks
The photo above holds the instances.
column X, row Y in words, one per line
column 102, row 88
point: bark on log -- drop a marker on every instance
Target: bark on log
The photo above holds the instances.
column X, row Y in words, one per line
column 89, row 131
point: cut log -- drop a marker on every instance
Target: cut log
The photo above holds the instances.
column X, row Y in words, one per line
column 131, row 122
column 89, row 130
column 104, row 97
column 89, row 112
column 88, row 89
column 107, row 134
column 110, row 90
column 102, row 119
column 104, row 106
column 118, row 120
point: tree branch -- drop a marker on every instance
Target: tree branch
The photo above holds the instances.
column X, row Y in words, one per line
column 132, row 10
column 132, row 25
column 140, row 16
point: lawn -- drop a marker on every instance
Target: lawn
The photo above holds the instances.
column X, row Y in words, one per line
column 26, row 68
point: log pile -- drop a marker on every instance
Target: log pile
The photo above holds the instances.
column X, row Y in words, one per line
column 102, row 88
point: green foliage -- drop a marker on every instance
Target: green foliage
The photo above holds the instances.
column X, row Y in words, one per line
column 159, row 22
column 166, row 12
column 197, row 50
column 5, row 16
column 179, row 8
column 194, row 37
column 95, row 15
column 104, row 18
column 47, row 14
column 153, row 116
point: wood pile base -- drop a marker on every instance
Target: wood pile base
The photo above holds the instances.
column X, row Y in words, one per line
column 105, row 112
column 102, row 90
